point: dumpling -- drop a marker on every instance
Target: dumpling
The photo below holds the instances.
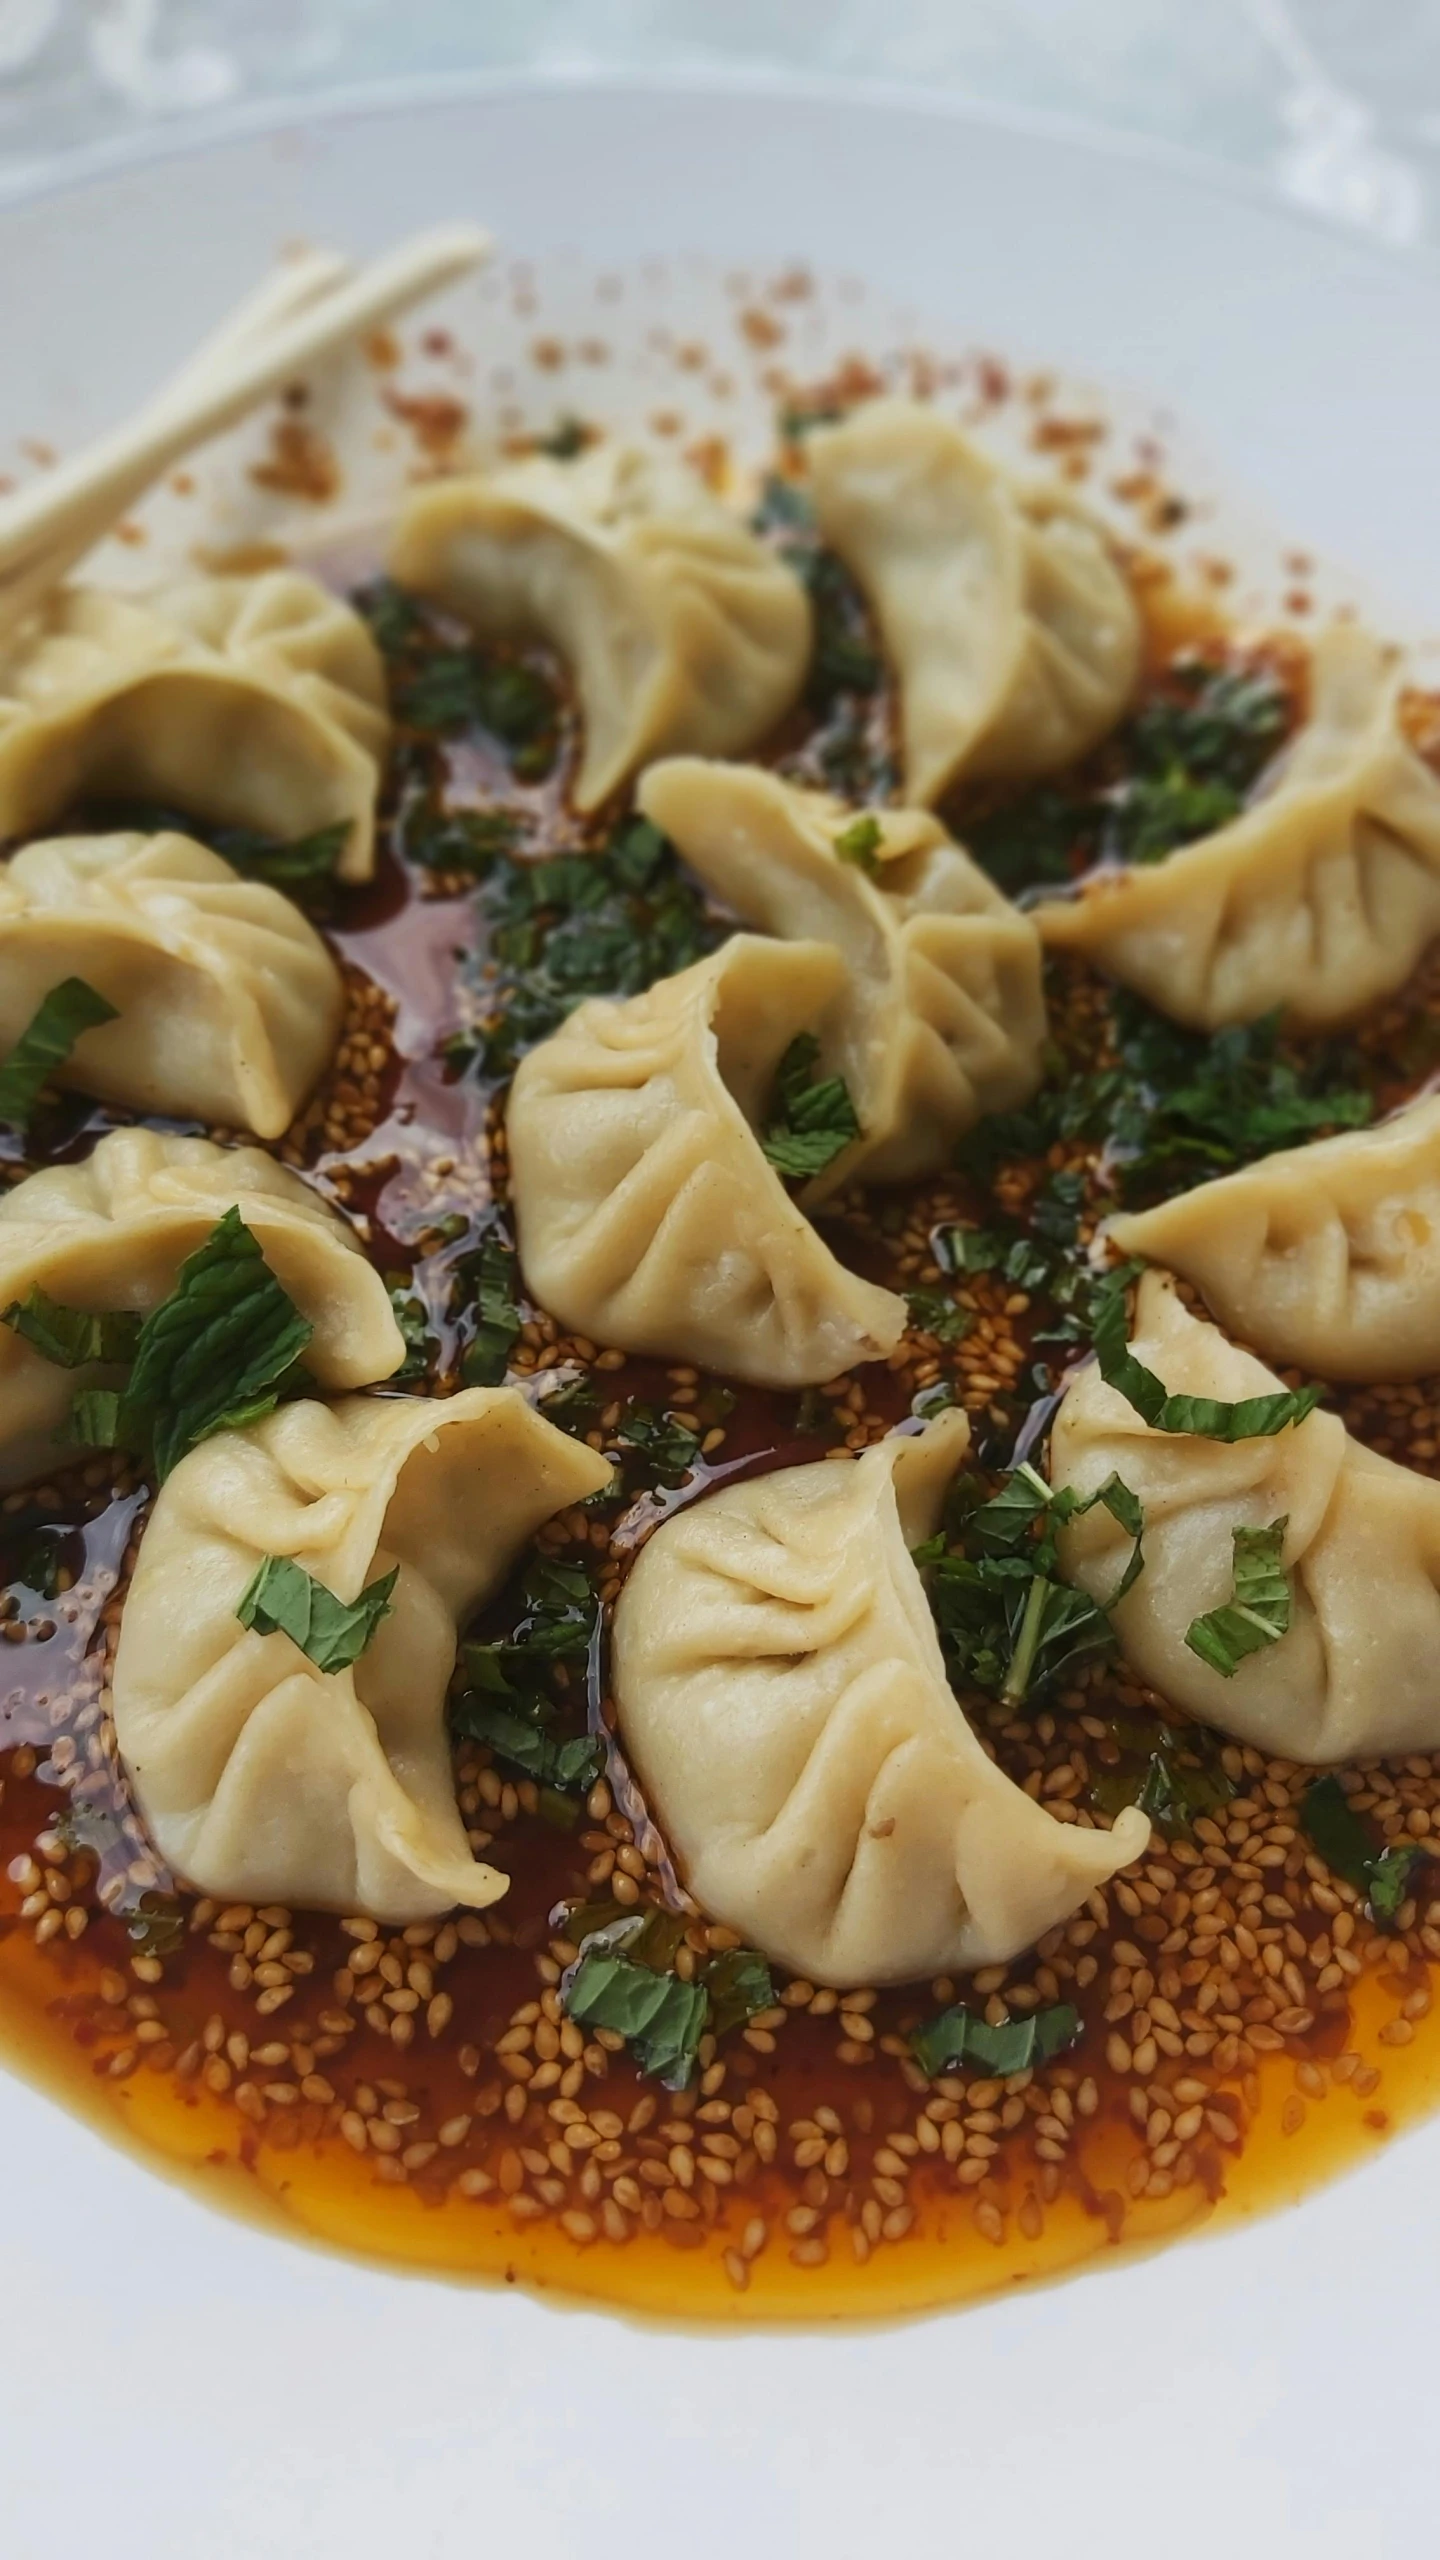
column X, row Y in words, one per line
column 109, row 1236
column 783, row 1701
column 261, row 1778
column 646, row 1214
column 943, row 1016
column 229, row 1004
column 681, row 628
column 1320, row 898
column 255, row 702
column 1354, row 1674
column 1326, row 1257
column 1012, row 632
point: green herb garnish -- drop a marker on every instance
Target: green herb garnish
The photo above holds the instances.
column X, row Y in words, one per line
column 958, row 2036
column 491, row 1273
column 71, row 1337
column 281, row 1598
column 622, row 1982
column 668, row 1448
column 1178, row 1778
column 1204, row 1417
column 1007, row 1622
column 860, row 843
column 515, row 1687
column 1258, row 1615
column 69, row 1010
column 217, row 1354
column 932, row 1312
column 1333, row 1827
column 814, row 1117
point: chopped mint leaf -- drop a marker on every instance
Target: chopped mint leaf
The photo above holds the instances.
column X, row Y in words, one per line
column 566, row 438
column 299, row 864
column 415, row 1332
column 958, row 2036
column 1173, row 1776
column 814, row 1117
column 466, row 840
column 965, row 1249
column 860, row 843
column 661, row 2018
column 1206, row 1417
column 740, row 1986
column 624, row 1980
column 281, row 1598
column 1260, row 1611
column 490, row 1273
column 1007, row 1622
column 70, row 1009
column 72, row 1336
column 218, row 1352
column 932, row 1312
column 1335, row 1829
column 668, row 1448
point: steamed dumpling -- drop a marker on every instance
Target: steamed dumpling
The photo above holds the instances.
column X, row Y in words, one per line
column 229, row 1004
column 1013, row 634
column 681, row 628
column 109, row 1236
column 1319, row 899
column 1326, row 1257
column 1355, row 1672
column 255, row 702
column 943, row 1016
column 646, row 1214
column 261, row 1778
column 783, row 1701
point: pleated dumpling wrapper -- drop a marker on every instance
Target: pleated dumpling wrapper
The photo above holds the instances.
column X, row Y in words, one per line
column 1326, row 1257
column 1354, row 1673
column 783, row 1701
column 248, row 701
column 681, row 628
column 109, row 1236
column 1320, row 898
column 262, row 1778
column 1011, row 629
column 646, row 1213
column 943, row 1016
column 229, row 1004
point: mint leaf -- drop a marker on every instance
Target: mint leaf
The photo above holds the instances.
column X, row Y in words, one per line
column 491, row 1272
column 1260, row 1611
column 661, row 2018
column 958, row 2036
column 1206, row 1417
column 281, row 1598
column 814, row 1118
column 739, row 1986
column 932, row 1312
column 860, row 843
column 44, row 1045
column 71, row 1337
column 299, row 864
column 1332, row 1825
column 219, row 1350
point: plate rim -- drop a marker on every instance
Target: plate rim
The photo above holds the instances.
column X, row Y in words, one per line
column 70, row 170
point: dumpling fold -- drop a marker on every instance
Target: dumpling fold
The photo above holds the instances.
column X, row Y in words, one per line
column 229, row 1004
column 261, row 1778
column 681, row 628
column 783, row 1700
column 1325, row 1257
column 1317, row 900
column 1355, row 1672
column 646, row 1213
column 1011, row 629
column 942, row 1018
column 249, row 701
column 109, row 1236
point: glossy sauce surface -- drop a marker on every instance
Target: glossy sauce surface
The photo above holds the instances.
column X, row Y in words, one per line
column 1247, row 2028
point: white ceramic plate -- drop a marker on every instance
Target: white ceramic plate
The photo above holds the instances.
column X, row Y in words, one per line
column 175, row 2385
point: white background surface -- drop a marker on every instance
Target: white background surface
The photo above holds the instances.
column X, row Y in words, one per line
column 182, row 2389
